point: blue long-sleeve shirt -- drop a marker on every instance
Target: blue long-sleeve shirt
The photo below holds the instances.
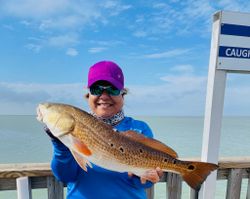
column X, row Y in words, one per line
column 97, row 182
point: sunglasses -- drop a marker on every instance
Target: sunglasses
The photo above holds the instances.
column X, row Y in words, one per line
column 97, row 90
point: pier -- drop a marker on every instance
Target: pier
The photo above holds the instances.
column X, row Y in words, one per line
column 39, row 175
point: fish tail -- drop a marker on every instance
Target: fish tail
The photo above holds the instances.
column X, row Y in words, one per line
column 196, row 173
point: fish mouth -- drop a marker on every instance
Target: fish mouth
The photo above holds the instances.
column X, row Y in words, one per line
column 39, row 111
column 39, row 116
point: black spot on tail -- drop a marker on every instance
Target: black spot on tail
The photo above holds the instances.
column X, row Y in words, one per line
column 191, row 167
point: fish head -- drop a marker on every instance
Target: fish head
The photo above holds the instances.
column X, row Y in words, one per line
column 56, row 118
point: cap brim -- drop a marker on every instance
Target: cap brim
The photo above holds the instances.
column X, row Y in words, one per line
column 111, row 80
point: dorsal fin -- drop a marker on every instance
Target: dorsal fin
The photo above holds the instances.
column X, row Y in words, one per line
column 155, row 144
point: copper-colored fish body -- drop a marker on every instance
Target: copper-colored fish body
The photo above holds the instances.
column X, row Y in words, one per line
column 90, row 140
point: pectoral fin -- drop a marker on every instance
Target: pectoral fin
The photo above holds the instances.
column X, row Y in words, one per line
column 80, row 147
column 79, row 151
column 82, row 162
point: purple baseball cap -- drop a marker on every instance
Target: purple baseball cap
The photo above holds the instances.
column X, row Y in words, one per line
column 107, row 71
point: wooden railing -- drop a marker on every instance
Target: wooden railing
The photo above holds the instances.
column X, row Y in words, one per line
column 39, row 176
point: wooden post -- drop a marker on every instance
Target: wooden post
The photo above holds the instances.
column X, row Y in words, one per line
column 194, row 194
column 55, row 188
column 212, row 128
column 174, row 186
column 23, row 188
column 213, row 112
column 150, row 192
column 234, row 184
column 248, row 188
column 226, row 35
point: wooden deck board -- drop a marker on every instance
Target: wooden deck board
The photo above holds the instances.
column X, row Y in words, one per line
column 40, row 175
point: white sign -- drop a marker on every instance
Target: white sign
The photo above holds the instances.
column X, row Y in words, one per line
column 230, row 52
column 234, row 41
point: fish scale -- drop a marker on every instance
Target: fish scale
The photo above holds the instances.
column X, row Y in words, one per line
column 91, row 140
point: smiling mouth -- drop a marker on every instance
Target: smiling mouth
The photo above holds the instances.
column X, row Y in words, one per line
column 105, row 105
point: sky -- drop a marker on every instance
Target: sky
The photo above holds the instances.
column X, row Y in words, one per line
column 163, row 47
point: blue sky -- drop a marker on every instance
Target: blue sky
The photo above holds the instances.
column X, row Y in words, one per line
column 163, row 48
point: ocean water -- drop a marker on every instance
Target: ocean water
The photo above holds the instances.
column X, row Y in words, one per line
column 23, row 140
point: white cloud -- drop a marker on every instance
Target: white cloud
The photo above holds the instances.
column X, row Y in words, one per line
column 72, row 52
column 176, row 18
column 63, row 40
column 8, row 27
column 184, row 93
column 35, row 44
column 168, row 98
column 177, row 95
column 110, row 4
column 235, row 103
column 167, row 54
column 183, row 16
column 62, row 14
column 140, row 33
column 116, row 7
column 239, row 5
column 183, row 68
column 29, row 95
column 33, row 47
column 60, row 23
column 25, row 22
column 60, row 41
column 33, row 8
column 96, row 49
column 70, row 21
column 104, row 45
column 107, row 43
column 181, row 95
column 161, row 6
